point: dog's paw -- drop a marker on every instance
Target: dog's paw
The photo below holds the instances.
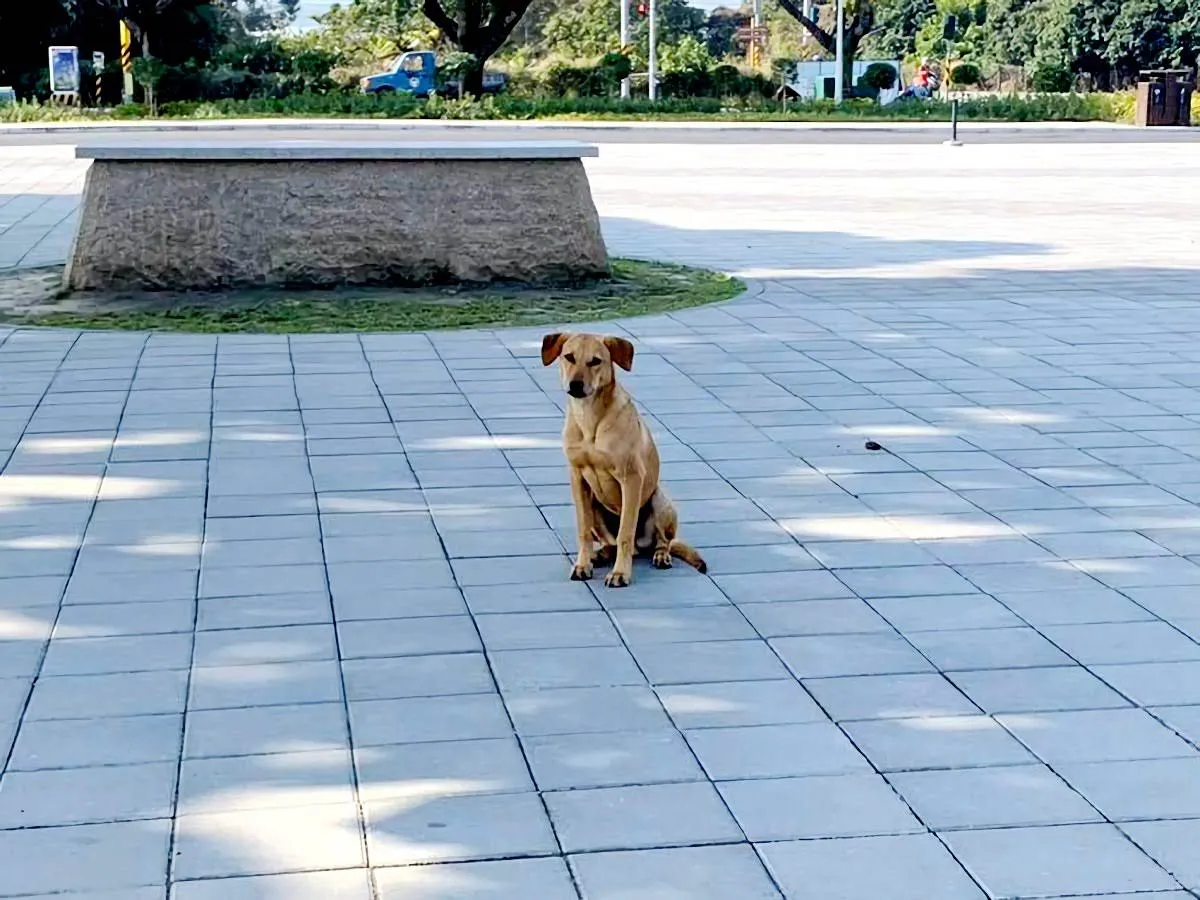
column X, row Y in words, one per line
column 662, row 559
column 617, row 579
column 581, row 573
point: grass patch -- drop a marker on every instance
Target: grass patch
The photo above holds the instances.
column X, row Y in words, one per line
column 1117, row 107
column 635, row 288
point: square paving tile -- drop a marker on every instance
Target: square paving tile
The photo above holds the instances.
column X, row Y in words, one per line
column 125, row 694
column 992, row 797
column 773, row 751
column 1095, row 736
column 271, row 684
column 1063, row 860
column 585, row 710
column 433, row 825
column 86, row 796
column 1037, row 690
column 1139, row 789
column 567, row 761
column 505, row 879
column 846, row 615
column 221, row 784
column 697, row 873
column 739, row 703
column 118, row 619
column 106, row 655
column 118, row 857
column 828, row 656
column 524, row 670
column 889, row 696
column 1154, row 683
column 485, row 766
column 988, row 648
column 1183, row 719
column 1124, row 642
column 268, row 841
column 417, row 719
column 353, row 884
column 821, row 806
column 1172, row 845
column 417, row 676
column 538, row 630
column 627, row 818
column 689, row 663
column 264, row 729
column 407, row 637
column 941, row 613
column 252, row 646
column 97, row 742
column 264, row 610
column 936, row 743
column 899, row 867
column 683, row 625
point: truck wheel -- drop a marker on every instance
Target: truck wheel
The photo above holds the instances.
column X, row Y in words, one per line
column 384, row 90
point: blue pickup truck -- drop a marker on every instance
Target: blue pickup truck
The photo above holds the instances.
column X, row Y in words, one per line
column 416, row 73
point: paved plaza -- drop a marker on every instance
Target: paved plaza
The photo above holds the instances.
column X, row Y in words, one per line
column 289, row 619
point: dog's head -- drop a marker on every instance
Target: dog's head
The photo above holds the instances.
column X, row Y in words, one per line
column 586, row 360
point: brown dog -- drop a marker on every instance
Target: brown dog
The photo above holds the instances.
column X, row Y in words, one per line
column 614, row 463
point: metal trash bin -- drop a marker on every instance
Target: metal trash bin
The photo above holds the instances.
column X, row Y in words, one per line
column 1164, row 97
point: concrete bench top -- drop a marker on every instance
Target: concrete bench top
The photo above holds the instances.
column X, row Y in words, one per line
column 279, row 150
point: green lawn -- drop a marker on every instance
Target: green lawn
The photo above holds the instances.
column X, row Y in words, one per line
column 636, row 288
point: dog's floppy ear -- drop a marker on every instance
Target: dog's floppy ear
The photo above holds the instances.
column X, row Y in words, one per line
column 552, row 345
column 621, row 352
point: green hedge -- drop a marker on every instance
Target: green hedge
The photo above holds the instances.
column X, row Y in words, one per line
column 1037, row 108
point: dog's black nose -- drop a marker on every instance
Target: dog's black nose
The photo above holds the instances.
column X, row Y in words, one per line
column 575, row 389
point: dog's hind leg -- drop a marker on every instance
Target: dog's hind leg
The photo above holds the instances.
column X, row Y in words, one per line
column 666, row 544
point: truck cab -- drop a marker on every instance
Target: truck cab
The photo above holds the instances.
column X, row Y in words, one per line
column 413, row 73
column 416, row 73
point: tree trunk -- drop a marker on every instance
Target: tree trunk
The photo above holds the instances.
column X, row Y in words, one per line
column 480, row 28
column 149, row 86
column 849, row 53
column 472, row 79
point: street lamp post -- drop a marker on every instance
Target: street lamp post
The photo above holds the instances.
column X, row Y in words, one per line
column 839, row 88
column 624, row 44
column 653, row 68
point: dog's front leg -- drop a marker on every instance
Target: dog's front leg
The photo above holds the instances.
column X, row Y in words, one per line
column 581, row 496
column 631, row 496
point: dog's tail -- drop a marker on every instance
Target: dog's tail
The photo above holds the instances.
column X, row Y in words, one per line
column 688, row 554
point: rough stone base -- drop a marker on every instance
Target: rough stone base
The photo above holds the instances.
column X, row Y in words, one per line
column 204, row 225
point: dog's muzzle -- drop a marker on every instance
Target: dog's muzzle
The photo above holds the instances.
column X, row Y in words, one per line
column 577, row 389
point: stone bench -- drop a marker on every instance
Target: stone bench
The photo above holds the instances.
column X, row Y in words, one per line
column 186, row 215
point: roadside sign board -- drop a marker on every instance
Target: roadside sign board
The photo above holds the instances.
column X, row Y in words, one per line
column 64, row 70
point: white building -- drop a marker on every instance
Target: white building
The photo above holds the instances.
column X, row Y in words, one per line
column 814, row 79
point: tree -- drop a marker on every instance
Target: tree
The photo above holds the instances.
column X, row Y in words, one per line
column 859, row 22
column 897, row 23
column 369, row 30
column 259, row 16
column 587, row 29
column 477, row 27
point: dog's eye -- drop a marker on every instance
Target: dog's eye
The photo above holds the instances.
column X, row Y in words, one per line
column 594, row 361
column 569, row 357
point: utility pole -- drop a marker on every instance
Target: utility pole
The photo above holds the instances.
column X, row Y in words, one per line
column 839, row 88
column 756, row 26
column 126, row 63
column 624, row 44
column 653, row 73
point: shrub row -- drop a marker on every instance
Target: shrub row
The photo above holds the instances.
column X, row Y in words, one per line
column 1036, row 108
